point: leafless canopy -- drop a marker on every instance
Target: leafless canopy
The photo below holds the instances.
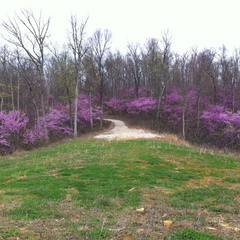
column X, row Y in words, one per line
column 100, row 43
column 77, row 39
column 29, row 33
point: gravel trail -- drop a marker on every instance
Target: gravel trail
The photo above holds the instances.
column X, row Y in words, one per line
column 121, row 131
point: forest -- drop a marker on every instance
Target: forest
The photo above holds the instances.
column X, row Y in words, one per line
column 49, row 92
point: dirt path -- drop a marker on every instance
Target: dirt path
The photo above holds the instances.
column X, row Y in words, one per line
column 121, row 131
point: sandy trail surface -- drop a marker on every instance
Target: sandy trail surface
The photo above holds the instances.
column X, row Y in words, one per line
column 121, row 131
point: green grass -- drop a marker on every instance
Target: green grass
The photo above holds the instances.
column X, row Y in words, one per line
column 232, row 179
column 190, row 234
column 208, row 198
column 82, row 189
column 4, row 233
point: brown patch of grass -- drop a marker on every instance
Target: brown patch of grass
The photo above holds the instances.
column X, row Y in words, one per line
column 205, row 181
column 177, row 163
column 234, row 186
column 173, row 138
column 158, row 210
column 222, row 223
column 53, row 172
column 142, row 165
column 164, row 190
column 17, row 178
column 140, row 161
column 18, row 152
column 149, row 196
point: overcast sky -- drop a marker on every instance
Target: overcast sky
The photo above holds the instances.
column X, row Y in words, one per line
column 192, row 23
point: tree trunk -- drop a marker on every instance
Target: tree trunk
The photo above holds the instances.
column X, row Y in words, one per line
column 75, row 125
column 233, row 100
column 18, row 92
column 101, row 115
column 136, row 89
column 37, row 114
column 43, row 106
column 2, row 103
column 70, row 113
column 90, row 110
column 159, row 103
column 101, row 95
column 198, row 116
column 43, row 103
column 183, row 123
column 70, row 107
column 12, row 92
column 184, row 107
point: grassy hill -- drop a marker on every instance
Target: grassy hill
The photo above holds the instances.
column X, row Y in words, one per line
column 95, row 189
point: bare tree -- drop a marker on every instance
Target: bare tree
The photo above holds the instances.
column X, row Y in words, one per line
column 90, row 86
column 135, row 62
column 100, row 47
column 166, row 61
column 30, row 34
column 62, row 70
column 152, row 63
column 79, row 47
column 116, row 74
column 7, row 78
column 236, row 77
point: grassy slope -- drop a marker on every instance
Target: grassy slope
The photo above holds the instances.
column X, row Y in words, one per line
column 90, row 189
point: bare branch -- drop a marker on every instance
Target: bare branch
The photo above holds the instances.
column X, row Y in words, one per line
column 100, row 43
column 28, row 33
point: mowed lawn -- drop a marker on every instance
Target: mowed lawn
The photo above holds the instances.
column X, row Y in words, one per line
column 96, row 189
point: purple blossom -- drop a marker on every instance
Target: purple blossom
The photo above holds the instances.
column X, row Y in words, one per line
column 116, row 105
column 11, row 123
column 223, row 126
column 57, row 122
column 174, row 97
column 84, row 113
column 142, row 105
column 15, row 121
column 37, row 133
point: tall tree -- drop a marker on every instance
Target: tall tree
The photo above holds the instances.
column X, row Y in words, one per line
column 90, row 86
column 116, row 74
column 135, row 64
column 166, row 62
column 30, row 33
column 236, row 77
column 79, row 47
column 6, row 79
column 100, row 46
column 62, row 71
column 152, row 64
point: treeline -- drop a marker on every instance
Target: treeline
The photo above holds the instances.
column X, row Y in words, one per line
column 47, row 92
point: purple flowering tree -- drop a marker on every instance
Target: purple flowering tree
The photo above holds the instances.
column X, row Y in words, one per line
column 12, row 127
column 172, row 108
column 221, row 127
column 57, row 122
column 116, row 106
column 88, row 114
column 181, row 110
column 33, row 135
column 143, row 105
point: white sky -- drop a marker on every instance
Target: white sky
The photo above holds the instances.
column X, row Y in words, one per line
column 192, row 23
